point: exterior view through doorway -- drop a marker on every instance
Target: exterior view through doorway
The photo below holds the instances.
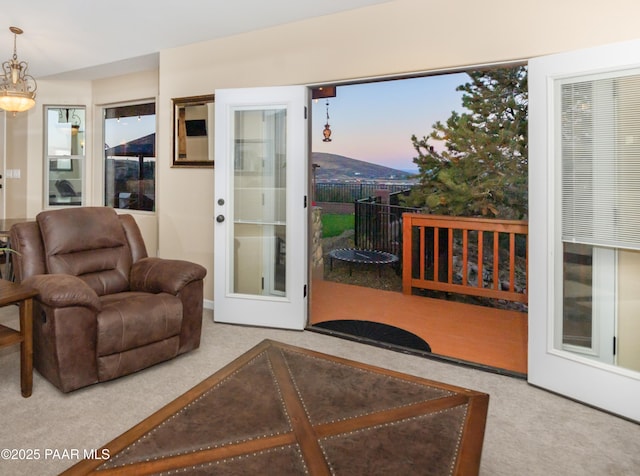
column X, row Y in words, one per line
column 359, row 194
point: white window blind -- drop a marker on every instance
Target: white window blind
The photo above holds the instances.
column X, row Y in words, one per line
column 600, row 160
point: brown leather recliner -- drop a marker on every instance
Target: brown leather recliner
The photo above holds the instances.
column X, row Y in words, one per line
column 104, row 308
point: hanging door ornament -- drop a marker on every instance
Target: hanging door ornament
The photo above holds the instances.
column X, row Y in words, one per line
column 327, row 128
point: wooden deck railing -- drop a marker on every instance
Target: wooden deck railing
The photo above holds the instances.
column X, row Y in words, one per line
column 472, row 256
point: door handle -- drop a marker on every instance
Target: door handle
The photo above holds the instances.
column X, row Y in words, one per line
column 220, row 218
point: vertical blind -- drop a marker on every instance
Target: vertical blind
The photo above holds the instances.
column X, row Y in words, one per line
column 600, row 160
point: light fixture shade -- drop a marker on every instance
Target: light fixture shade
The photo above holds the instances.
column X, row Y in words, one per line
column 16, row 102
column 17, row 88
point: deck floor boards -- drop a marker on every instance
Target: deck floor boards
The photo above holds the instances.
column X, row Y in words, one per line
column 490, row 337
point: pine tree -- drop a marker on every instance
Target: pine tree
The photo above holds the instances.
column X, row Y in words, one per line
column 483, row 169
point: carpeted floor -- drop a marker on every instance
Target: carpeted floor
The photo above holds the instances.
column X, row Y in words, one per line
column 528, row 432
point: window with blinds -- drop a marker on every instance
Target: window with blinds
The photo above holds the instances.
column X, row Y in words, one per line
column 600, row 160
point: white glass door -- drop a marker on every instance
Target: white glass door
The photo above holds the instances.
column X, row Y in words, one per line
column 260, row 266
column 584, row 182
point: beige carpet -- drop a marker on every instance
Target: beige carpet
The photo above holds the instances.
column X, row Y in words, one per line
column 528, row 431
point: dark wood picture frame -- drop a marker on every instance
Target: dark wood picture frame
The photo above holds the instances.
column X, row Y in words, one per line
column 193, row 131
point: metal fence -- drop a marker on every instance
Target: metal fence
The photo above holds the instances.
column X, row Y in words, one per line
column 350, row 192
column 378, row 226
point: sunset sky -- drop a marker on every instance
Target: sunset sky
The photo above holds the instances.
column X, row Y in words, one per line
column 374, row 122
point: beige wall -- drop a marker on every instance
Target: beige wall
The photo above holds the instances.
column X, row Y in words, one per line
column 402, row 36
column 16, row 159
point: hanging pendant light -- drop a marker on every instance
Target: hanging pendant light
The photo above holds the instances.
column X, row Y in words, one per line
column 327, row 128
column 17, row 88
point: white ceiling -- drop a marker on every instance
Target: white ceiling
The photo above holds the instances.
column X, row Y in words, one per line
column 91, row 39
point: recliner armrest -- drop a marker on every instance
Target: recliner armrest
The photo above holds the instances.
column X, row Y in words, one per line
column 155, row 275
column 62, row 290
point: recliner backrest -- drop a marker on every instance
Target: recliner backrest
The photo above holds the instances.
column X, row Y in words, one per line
column 94, row 243
column 88, row 242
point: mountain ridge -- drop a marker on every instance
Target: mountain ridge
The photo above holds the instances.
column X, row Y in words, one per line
column 340, row 167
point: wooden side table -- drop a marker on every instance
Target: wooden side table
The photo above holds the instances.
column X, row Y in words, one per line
column 12, row 293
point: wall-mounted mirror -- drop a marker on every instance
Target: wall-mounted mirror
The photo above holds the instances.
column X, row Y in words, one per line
column 193, row 131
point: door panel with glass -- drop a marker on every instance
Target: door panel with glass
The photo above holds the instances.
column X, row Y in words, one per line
column 584, row 179
column 260, row 190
